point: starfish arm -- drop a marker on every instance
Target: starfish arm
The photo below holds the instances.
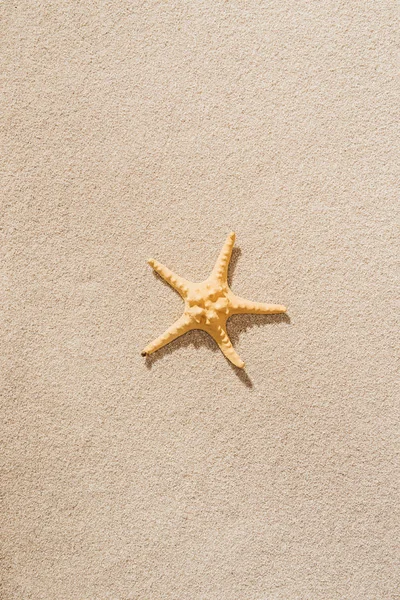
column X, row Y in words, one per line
column 239, row 305
column 178, row 283
column 181, row 326
column 221, row 337
column 220, row 270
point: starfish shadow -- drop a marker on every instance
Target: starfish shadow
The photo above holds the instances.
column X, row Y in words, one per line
column 236, row 325
column 196, row 338
column 236, row 252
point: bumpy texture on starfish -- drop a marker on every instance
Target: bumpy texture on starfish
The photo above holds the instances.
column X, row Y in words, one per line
column 208, row 305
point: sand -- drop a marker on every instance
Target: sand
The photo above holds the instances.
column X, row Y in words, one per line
column 152, row 129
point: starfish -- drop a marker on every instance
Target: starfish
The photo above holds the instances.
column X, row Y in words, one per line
column 208, row 305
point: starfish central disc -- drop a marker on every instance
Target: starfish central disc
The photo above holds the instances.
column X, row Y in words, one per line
column 208, row 305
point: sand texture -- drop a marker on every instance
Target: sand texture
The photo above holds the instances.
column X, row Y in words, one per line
column 138, row 129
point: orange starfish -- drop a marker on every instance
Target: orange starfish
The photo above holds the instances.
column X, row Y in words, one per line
column 208, row 305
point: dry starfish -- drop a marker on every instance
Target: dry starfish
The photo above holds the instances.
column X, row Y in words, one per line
column 208, row 305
